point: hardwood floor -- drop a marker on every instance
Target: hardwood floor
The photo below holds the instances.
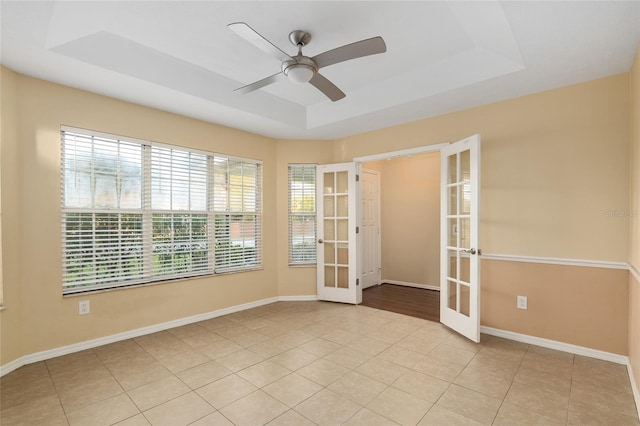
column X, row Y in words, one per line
column 416, row 302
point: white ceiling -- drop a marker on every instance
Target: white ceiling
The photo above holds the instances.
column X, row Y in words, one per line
column 442, row 56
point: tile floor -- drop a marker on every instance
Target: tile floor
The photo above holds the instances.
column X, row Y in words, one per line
column 305, row 363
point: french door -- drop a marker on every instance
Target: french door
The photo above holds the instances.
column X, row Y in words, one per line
column 459, row 233
column 337, row 279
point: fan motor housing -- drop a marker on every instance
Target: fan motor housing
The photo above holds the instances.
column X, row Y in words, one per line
column 297, row 62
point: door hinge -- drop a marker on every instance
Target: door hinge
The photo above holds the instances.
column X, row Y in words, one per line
column 357, row 281
column 357, row 178
column 357, row 229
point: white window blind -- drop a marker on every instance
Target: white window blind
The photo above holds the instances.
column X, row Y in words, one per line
column 302, row 214
column 237, row 205
column 136, row 212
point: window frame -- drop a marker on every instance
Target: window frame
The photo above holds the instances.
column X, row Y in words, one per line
column 312, row 260
column 149, row 215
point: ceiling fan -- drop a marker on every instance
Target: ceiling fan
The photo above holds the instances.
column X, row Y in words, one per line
column 301, row 68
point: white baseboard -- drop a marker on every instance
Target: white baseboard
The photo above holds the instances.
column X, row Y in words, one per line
column 308, row 298
column 634, row 387
column 554, row 344
column 88, row 344
column 407, row 284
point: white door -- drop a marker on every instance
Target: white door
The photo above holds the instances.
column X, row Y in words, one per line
column 337, row 279
column 459, row 228
column 370, row 228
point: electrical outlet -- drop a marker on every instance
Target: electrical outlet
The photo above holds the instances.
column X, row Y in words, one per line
column 522, row 302
column 84, row 307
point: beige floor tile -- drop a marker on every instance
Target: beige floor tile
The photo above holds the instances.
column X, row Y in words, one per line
column 291, row 418
column 457, row 341
column 118, row 350
column 323, row 372
column 256, row 408
column 36, row 411
column 203, row 374
column 187, row 330
column 584, row 413
column 83, row 359
column 81, row 396
column 496, row 363
column 137, row 420
column 366, row 417
column 129, row 364
column 381, row 370
column 348, row 358
column 483, row 382
column 270, row 347
column 294, row 359
column 435, row 367
column 537, row 377
column 213, row 419
column 601, row 373
column 399, row 406
column 249, row 338
column 320, row 347
column 295, row 338
column 180, row 411
column 156, row 393
column 25, row 374
column 258, row 323
column 357, row 387
column 292, row 389
column 471, row 404
column 452, row 354
column 328, row 408
column 418, row 343
column 184, row 361
column 510, row 415
column 369, row 345
column 421, row 385
column 28, row 387
column 545, row 400
column 341, row 337
column 440, row 416
column 240, row 360
column 202, row 339
column 141, row 375
column 168, row 349
column 263, row 373
column 73, row 378
column 604, row 399
column 220, row 348
column 231, row 330
column 226, row 390
column 105, row 412
column 215, row 323
column 401, row 356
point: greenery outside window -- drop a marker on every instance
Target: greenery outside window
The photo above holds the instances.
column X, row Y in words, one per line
column 136, row 212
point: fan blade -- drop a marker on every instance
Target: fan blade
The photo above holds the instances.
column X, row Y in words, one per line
column 329, row 89
column 370, row 46
column 260, row 83
column 253, row 37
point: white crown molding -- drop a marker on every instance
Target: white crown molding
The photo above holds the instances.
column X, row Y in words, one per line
column 557, row 261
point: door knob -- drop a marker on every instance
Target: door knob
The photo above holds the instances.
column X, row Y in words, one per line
column 470, row 251
column 320, row 241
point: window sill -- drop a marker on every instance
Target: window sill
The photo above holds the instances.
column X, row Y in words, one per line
column 303, row 265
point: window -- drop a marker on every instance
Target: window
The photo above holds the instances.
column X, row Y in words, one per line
column 136, row 212
column 302, row 214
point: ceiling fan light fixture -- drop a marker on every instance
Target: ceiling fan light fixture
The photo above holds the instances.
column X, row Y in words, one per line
column 300, row 73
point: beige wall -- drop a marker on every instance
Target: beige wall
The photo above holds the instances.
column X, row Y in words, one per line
column 34, row 232
column 410, row 218
column 11, row 319
column 297, row 280
column 634, row 204
column 572, row 304
column 553, row 165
